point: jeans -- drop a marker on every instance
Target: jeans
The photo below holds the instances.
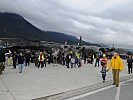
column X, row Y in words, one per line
column 129, row 69
column 27, row 62
column 116, row 76
column 97, row 62
column 14, row 63
column 42, row 64
column 103, row 78
column 21, row 67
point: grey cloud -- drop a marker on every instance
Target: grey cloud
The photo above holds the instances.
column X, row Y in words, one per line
column 109, row 24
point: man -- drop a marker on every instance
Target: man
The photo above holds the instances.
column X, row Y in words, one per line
column 41, row 60
column 2, row 60
column 27, row 58
column 97, row 60
column 130, row 62
column 36, row 58
column 68, row 59
column 21, row 62
column 45, row 58
column 117, row 66
column 92, row 58
column 85, row 56
column 14, row 56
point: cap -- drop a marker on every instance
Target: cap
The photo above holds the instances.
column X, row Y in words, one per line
column 104, row 55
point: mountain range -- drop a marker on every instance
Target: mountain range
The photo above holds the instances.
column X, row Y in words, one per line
column 15, row 26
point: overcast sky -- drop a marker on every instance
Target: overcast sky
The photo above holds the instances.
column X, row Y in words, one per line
column 97, row 21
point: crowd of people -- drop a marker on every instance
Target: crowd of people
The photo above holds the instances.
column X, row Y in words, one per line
column 69, row 59
column 41, row 58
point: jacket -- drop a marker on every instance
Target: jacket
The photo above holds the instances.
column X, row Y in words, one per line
column 103, row 71
column 104, row 61
column 116, row 63
column 40, row 58
column 2, row 56
column 130, row 62
column 21, row 60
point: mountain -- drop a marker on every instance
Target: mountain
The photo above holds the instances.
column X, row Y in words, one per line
column 15, row 26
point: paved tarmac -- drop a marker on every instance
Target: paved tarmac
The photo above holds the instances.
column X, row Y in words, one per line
column 123, row 92
column 35, row 83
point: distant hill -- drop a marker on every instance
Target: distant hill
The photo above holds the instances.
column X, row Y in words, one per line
column 15, row 26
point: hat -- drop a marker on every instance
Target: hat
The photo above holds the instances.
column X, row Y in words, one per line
column 104, row 55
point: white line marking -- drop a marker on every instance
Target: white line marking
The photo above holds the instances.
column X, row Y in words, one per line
column 89, row 93
column 127, row 84
column 119, row 88
column 118, row 92
column 126, row 81
column 93, row 92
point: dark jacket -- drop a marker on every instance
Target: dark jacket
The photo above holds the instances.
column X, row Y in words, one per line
column 15, row 56
column 27, row 56
column 129, row 61
column 103, row 71
column 21, row 60
column 2, row 56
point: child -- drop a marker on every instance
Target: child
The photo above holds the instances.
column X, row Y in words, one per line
column 103, row 73
column 88, row 60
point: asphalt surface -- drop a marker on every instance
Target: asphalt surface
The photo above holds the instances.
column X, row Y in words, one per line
column 123, row 92
column 53, row 82
column 126, row 92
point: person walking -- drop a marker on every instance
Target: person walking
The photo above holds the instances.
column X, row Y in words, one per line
column 54, row 58
column 63, row 58
column 49, row 57
column 45, row 58
column 32, row 56
column 77, row 59
column 72, row 62
column 21, row 62
column 2, row 60
column 97, row 60
column 14, row 57
column 27, row 58
column 68, row 59
column 41, row 60
column 92, row 58
column 80, row 61
column 85, row 57
column 36, row 58
column 117, row 66
column 104, row 62
column 130, row 62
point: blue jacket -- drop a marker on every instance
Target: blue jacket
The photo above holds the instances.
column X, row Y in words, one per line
column 104, row 71
column 21, row 60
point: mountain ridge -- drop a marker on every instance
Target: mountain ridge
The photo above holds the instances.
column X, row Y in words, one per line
column 15, row 26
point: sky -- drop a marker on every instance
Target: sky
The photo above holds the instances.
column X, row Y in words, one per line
column 97, row 21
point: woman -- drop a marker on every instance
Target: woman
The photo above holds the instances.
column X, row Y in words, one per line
column 21, row 62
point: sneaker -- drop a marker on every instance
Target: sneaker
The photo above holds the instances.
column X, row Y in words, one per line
column 117, row 85
column 113, row 84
